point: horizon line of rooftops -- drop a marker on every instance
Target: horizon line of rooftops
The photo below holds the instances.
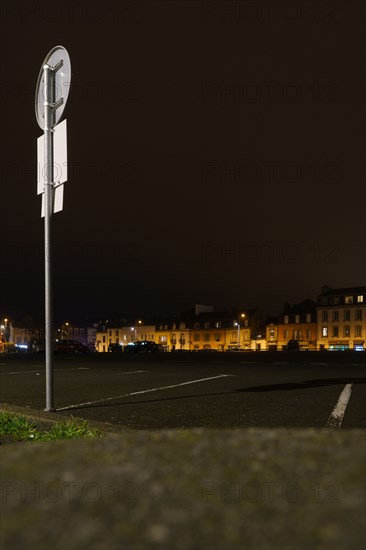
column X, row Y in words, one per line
column 329, row 297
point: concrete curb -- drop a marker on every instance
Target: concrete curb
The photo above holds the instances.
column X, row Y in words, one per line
column 262, row 489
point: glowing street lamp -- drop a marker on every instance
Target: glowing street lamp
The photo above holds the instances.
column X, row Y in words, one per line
column 237, row 324
column 139, row 323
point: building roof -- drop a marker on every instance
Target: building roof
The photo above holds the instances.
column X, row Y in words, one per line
column 327, row 291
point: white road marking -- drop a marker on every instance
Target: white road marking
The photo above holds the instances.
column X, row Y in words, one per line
column 142, row 392
column 133, row 372
column 22, row 372
column 336, row 418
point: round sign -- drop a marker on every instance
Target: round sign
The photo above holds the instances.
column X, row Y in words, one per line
column 57, row 58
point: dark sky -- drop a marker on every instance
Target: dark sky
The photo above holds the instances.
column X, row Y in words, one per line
column 216, row 154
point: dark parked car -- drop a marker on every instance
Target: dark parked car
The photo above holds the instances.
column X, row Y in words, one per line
column 115, row 348
column 38, row 346
column 293, row 345
column 70, row 346
column 143, row 346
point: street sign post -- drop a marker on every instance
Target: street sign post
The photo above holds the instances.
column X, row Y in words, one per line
column 52, row 91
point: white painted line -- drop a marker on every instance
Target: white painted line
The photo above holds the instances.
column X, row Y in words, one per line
column 134, row 372
column 141, row 392
column 336, row 418
column 22, row 372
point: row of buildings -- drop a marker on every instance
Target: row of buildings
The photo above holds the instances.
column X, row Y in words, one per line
column 335, row 321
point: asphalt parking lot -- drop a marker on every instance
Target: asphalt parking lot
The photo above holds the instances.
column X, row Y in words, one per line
column 207, row 451
column 193, row 390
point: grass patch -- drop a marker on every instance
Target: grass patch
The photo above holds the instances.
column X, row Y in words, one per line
column 70, row 429
column 20, row 429
column 16, row 426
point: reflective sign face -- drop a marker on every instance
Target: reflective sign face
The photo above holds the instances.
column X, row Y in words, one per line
column 59, row 158
column 59, row 59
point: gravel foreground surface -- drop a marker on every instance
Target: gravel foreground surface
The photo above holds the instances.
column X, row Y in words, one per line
column 200, row 489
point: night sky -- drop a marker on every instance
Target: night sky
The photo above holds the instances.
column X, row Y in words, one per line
column 216, row 154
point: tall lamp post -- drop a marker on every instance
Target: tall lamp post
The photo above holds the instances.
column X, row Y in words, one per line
column 133, row 329
column 139, row 323
column 242, row 316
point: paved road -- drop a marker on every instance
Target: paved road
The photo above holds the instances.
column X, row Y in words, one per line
column 186, row 390
column 258, row 488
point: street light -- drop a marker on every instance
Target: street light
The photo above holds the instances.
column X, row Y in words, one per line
column 242, row 316
column 139, row 323
column 64, row 331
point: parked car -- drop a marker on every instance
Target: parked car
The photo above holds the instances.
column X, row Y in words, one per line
column 293, row 345
column 38, row 346
column 143, row 346
column 69, row 346
column 115, row 348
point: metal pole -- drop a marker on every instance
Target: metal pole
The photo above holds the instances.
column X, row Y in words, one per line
column 239, row 334
column 49, row 96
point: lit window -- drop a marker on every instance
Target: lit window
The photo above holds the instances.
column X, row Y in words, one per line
column 286, row 319
column 325, row 332
column 360, row 299
column 348, row 299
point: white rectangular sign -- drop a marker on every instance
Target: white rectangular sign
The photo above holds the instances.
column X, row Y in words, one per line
column 59, row 159
column 58, row 200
